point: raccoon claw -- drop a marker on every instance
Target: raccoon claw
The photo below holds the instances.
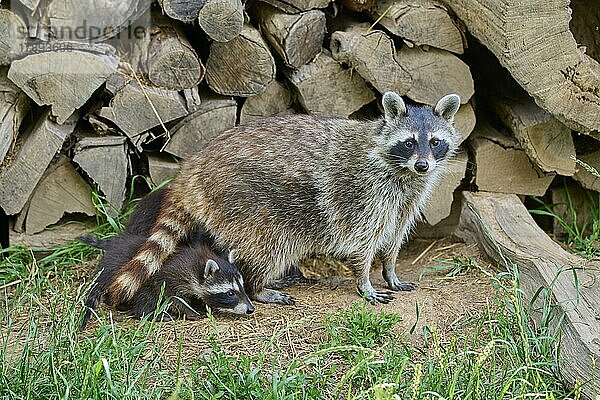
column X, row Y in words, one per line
column 373, row 296
column 401, row 286
column 274, row 296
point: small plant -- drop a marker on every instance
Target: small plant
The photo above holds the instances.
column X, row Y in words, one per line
column 453, row 267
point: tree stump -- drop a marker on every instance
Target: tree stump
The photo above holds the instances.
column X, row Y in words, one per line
column 247, row 73
column 505, row 231
column 222, row 20
column 276, row 99
column 297, row 38
column 325, row 88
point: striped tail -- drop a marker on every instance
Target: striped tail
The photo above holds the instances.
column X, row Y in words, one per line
column 170, row 229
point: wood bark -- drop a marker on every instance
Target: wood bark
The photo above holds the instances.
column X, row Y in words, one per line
column 325, row 88
column 183, row 10
column 276, row 99
column 419, row 22
column 192, row 133
column 435, row 73
column 172, row 62
column 21, row 175
column 247, row 73
column 542, row 56
column 14, row 105
column 133, row 107
column 296, row 6
column 222, row 20
column 104, row 159
column 546, row 141
column 161, row 167
column 13, row 36
column 61, row 190
column 64, row 80
column 505, row 231
column 373, row 55
column 439, row 205
column 501, row 166
column 297, row 38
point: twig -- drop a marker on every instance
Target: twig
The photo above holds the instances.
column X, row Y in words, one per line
column 416, row 260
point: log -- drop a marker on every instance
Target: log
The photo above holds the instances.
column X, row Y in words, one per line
column 419, row 22
column 435, row 73
column 325, row 88
column 296, row 6
column 61, row 190
column 192, row 133
column 373, row 55
column 172, row 62
column 542, row 55
column 161, row 168
column 584, row 177
column 505, row 231
column 14, row 105
column 464, row 121
column 276, row 99
column 546, row 141
column 104, row 159
column 183, row 10
column 39, row 145
column 246, row 74
column 439, row 205
column 222, row 20
column 297, row 38
column 13, row 36
column 133, row 107
column 501, row 166
column 64, row 80
column 93, row 21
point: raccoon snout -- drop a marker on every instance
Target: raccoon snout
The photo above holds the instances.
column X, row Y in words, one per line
column 421, row 166
column 250, row 309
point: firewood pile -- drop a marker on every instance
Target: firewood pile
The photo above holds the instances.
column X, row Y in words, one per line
column 94, row 93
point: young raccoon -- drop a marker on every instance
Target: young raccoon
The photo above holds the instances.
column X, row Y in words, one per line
column 285, row 187
column 195, row 274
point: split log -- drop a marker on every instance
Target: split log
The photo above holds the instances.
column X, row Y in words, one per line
column 104, row 159
column 161, row 168
column 39, row 145
column 242, row 67
column 13, row 36
column 172, row 62
column 276, row 99
column 373, row 55
column 183, row 10
column 296, row 6
column 64, row 80
column 586, row 178
column 14, row 105
column 133, row 107
column 61, row 190
column 325, row 88
column 193, row 132
column 542, row 56
column 439, row 205
column 464, row 121
column 505, row 231
column 435, row 73
column 222, row 20
column 93, row 21
column 419, row 22
column 297, row 38
column 546, row 141
column 501, row 166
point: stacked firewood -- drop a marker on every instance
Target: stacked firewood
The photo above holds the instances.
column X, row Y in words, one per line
column 91, row 95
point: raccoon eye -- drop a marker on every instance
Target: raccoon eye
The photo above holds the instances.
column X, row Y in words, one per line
column 231, row 293
column 409, row 143
column 435, row 142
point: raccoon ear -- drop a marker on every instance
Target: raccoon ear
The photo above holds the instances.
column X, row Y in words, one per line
column 210, row 268
column 447, row 106
column 232, row 256
column 393, row 106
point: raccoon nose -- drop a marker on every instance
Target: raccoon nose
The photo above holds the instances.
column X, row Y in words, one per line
column 421, row 166
column 250, row 309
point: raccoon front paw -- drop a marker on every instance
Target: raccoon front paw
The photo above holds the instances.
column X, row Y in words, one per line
column 376, row 296
column 273, row 296
column 401, row 286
